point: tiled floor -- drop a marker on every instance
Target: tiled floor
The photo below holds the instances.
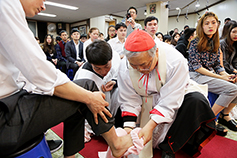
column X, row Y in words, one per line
column 59, row 153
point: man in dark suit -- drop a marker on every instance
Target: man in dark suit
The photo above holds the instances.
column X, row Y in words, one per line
column 74, row 51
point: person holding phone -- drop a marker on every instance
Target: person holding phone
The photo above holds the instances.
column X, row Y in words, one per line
column 130, row 20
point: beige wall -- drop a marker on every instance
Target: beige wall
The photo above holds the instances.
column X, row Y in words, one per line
column 222, row 10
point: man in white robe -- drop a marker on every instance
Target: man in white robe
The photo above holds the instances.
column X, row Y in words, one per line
column 157, row 76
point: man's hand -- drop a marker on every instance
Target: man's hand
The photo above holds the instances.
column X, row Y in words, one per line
column 55, row 61
column 97, row 106
column 147, row 131
column 131, row 22
column 108, row 86
column 79, row 63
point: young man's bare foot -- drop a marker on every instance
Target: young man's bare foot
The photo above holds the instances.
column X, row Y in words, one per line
column 121, row 145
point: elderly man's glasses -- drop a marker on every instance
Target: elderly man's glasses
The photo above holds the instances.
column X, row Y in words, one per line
column 143, row 67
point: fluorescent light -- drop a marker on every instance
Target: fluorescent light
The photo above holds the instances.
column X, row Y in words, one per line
column 49, row 15
column 61, row 5
column 197, row 5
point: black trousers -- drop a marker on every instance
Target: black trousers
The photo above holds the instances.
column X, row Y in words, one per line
column 33, row 114
column 75, row 67
column 62, row 65
column 193, row 127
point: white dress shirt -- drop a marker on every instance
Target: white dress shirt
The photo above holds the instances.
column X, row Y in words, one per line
column 117, row 45
column 77, row 50
column 85, row 44
column 19, row 52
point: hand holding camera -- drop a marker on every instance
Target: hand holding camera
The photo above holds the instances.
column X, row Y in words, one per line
column 129, row 20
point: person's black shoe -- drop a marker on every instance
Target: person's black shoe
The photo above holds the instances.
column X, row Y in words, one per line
column 54, row 145
column 167, row 155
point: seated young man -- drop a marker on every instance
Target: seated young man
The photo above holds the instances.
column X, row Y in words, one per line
column 100, row 70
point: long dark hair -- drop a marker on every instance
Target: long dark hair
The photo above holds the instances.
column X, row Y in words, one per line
column 226, row 28
column 204, row 42
column 48, row 47
column 108, row 37
column 173, row 42
column 229, row 40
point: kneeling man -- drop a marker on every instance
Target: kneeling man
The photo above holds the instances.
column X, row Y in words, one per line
column 152, row 82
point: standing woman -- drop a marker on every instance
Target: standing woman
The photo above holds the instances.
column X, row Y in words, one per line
column 93, row 35
column 111, row 33
column 49, row 50
column 205, row 68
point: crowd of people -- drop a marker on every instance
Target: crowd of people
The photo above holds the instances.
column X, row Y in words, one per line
column 132, row 78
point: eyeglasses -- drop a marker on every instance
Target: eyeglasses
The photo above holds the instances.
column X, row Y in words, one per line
column 132, row 12
column 111, row 30
column 144, row 67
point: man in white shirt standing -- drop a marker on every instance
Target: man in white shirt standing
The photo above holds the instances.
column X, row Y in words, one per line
column 117, row 43
column 130, row 20
column 25, row 115
column 151, row 26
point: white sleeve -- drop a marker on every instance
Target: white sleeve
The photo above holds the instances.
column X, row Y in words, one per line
column 129, row 100
column 21, row 49
column 173, row 91
column 84, row 50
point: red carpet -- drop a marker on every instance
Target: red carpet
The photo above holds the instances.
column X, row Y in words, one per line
column 218, row 147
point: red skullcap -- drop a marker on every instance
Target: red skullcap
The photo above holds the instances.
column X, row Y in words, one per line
column 139, row 41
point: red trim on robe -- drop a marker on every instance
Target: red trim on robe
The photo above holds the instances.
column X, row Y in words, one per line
column 154, row 111
column 125, row 113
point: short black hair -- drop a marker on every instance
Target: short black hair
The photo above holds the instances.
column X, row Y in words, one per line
column 132, row 8
column 150, row 18
column 83, row 35
column 186, row 26
column 62, row 31
column 121, row 24
column 189, row 32
column 171, row 32
column 98, row 52
column 167, row 37
column 227, row 19
column 58, row 38
column 74, row 30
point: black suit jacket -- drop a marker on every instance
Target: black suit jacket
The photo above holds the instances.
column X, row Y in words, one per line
column 70, row 51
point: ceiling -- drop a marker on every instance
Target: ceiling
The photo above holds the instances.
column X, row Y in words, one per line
column 93, row 8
